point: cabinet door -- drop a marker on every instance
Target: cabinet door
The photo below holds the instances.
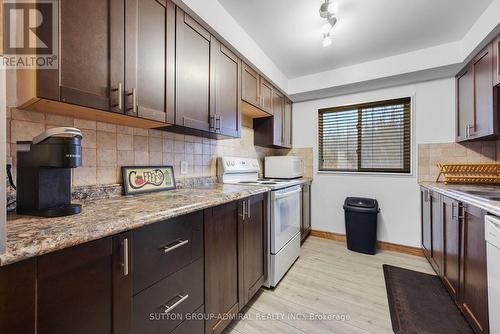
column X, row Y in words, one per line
column 227, row 90
column 253, row 245
column 496, row 59
column 250, row 86
column 122, row 283
column 437, row 232
column 305, row 226
column 278, row 110
column 426, row 222
column 149, row 59
column 91, row 55
column 473, row 281
column 483, row 93
column 193, row 71
column 287, row 124
column 74, row 291
column 17, row 291
column 221, row 265
column 465, row 103
column 451, row 263
column 267, row 97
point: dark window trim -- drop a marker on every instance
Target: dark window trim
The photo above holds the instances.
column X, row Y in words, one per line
column 406, row 170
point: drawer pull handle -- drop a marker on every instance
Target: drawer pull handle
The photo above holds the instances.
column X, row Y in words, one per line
column 169, row 308
column 178, row 244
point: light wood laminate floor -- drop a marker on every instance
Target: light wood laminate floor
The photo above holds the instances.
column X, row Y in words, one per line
column 326, row 280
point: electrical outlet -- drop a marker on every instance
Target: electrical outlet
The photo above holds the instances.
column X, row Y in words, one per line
column 184, row 167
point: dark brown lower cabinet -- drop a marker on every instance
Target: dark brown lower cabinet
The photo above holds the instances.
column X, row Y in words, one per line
column 222, row 295
column 17, row 297
column 432, row 228
column 473, row 276
column 165, row 305
column 459, row 227
column 451, row 229
column 75, row 289
column 253, row 246
column 235, row 261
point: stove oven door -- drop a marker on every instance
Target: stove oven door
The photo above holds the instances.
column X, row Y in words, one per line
column 285, row 216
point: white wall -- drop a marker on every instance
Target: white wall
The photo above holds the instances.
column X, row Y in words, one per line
column 216, row 16
column 433, row 115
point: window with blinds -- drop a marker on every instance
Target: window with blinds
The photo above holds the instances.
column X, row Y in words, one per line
column 372, row 137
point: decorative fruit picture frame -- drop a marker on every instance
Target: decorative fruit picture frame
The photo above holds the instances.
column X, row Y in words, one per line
column 146, row 179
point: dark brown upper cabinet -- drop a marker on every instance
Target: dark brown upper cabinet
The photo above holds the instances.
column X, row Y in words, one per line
column 250, row 86
column 149, row 59
column 275, row 131
column 266, row 96
column 91, row 66
column 225, row 116
column 256, row 90
column 193, row 74
column 287, row 124
column 465, row 103
column 483, row 93
column 477, row 103
column 496, row 59
column 278, row 111
column 473, row 277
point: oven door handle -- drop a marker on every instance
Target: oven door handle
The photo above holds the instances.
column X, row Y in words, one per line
column 290, row 193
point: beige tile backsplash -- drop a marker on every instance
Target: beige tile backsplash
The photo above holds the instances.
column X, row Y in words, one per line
column 107, row 147
column 429, row 155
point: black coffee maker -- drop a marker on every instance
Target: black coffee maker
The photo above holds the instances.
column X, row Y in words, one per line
column 44, row 173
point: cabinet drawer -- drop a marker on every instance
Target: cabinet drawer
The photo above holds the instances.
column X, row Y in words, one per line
column 163, row 248
column 192, row 326
column 182, row 292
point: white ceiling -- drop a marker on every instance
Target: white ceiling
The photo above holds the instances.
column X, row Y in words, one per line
column 289, row 31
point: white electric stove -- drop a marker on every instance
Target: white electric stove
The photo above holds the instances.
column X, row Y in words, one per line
column 284, row 213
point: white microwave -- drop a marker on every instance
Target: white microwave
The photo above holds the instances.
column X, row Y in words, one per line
column 283, row 167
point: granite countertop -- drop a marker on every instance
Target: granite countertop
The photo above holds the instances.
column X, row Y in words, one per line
column 29, row 236
column 459, row 192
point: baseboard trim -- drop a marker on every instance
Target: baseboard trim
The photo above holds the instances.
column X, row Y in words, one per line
column 384, row 245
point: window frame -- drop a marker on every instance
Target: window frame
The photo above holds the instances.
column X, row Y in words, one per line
column 405, row 171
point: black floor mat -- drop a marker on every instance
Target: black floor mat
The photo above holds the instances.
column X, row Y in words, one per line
column 420, row 304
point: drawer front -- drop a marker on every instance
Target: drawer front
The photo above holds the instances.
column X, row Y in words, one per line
column 182, row 292
column 163, row 248
column 192, row 326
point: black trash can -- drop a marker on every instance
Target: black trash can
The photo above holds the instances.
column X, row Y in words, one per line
column 361, row 224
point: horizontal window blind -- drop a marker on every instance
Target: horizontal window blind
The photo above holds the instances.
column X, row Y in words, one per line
column 373, row 137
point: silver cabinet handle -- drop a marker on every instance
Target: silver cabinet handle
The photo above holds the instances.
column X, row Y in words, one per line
column 461, row 208
column 248, row 209
column 218, row 123
column 169, row 308
column 470, row 126
column 453, row 211
column 211, row 122
column 243, row 209
column 133, row 109
column 125, row 257
column 119, row 93
column 179, row 243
